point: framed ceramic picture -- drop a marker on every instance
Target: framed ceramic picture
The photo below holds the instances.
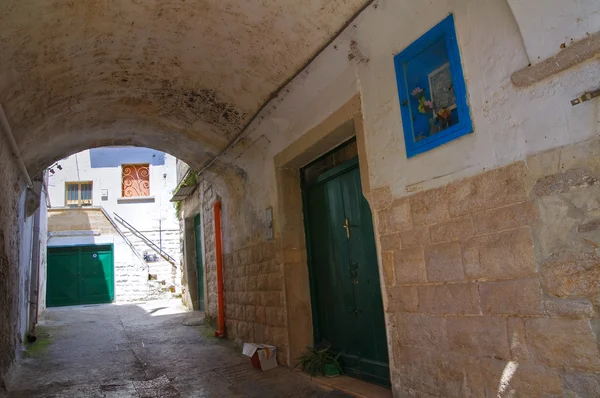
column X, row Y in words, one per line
column 432, row 91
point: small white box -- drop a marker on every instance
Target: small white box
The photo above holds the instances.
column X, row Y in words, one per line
column 262, row 356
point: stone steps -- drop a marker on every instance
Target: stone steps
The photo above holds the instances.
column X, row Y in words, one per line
column 171, row 247
column 160, row 270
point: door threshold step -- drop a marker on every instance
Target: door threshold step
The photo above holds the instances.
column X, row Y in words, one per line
column 349, row 385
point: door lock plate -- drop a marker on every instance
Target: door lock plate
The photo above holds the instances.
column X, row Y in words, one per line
column 586, row 97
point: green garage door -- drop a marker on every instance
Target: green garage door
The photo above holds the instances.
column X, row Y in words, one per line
column 80, row 275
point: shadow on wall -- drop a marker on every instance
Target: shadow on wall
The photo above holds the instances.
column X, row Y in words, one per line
column 5, row 310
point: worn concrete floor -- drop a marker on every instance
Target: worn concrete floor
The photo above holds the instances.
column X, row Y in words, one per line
column 143, row 350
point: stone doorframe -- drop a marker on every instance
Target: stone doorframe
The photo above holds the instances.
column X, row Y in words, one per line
column 189, row 267
column 339, row 127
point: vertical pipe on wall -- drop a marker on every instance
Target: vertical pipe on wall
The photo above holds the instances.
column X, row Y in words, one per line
column 34, row 288
column 14, row 146
column 219, row 256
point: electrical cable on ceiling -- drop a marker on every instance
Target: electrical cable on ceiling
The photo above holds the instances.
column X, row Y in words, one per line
column 244, row 129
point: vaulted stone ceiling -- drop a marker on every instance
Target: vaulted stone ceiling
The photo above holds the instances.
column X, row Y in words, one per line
column 184, row 76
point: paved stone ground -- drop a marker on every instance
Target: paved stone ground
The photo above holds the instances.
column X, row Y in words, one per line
column 155, row 349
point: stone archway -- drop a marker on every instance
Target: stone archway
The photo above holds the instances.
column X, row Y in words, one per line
column 184, row 77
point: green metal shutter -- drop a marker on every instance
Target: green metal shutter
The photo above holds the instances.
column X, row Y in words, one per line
column 80, row 275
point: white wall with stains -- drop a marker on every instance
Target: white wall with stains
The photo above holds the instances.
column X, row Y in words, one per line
column 81, row 74
column 133, row 88
column 25, row 261
column 549, row 25
column 508, row 123
column 102, row 166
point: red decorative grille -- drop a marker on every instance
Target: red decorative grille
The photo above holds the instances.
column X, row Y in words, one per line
column 136, row 180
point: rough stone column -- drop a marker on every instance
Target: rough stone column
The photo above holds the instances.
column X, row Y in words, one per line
column 10, row 269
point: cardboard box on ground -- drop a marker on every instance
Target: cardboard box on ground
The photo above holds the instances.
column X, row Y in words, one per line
column 262, row 356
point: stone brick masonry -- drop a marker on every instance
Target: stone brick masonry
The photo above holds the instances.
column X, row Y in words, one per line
column 210, row 264
column 254, row 297
column 253, row 288
column 492, row 282
column 9, row 259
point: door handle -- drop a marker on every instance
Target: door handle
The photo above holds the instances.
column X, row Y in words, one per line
column 347, row 227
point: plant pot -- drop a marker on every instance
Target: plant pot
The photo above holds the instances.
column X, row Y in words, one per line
column 331, row 370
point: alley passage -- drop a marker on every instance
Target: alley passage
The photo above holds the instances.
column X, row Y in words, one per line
column 154, row 349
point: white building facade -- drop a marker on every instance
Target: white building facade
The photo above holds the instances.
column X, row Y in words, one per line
column 115, row 200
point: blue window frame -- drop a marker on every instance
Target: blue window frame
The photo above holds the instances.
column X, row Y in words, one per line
column 432, row 91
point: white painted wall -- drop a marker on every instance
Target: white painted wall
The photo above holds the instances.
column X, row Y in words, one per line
column 509, row 123
column 131, row 274
column 26, row 225
column 58, row 241
column 43, row 237
column 143, row 216
column 27, row 261
column 546, row 24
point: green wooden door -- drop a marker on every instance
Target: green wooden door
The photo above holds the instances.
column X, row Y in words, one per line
column 199, row 267
column 62, row 286
column 80, row 275
column 96, row 272
column 346, row 293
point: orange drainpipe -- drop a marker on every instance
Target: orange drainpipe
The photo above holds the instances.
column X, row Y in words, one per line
column 219, row 255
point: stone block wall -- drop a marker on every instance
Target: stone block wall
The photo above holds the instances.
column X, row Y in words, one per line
column 492, row 282
column 164, row 270
column 254, row 297
column 186, row 274
column 210, row 262
column 79, row 219
column 253, row 280
column 170, row 241
column 10, row 271
column 189, row 208
column 131, row 275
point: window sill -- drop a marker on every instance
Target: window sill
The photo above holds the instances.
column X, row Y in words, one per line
column 136, row 199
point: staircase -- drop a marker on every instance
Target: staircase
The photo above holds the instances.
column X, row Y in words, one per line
column 158, row 256
column 145, row 239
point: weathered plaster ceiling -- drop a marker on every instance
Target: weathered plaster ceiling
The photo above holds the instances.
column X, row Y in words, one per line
column 179, row 75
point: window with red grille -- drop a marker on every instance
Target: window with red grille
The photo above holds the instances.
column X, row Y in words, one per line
column 136, row 180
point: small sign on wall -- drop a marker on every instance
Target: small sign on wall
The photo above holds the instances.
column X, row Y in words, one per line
column 104, row 194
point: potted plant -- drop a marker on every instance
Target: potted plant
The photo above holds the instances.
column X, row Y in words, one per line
column 320, row 361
